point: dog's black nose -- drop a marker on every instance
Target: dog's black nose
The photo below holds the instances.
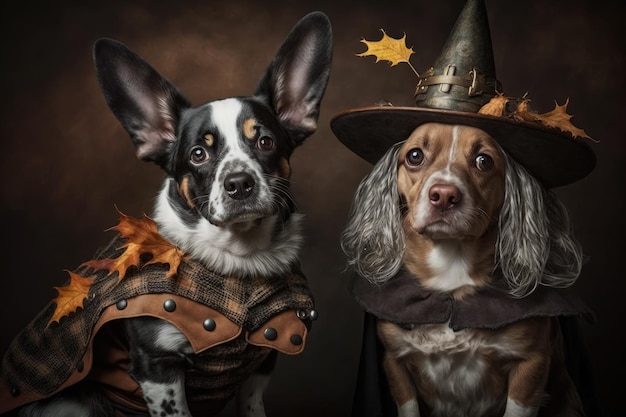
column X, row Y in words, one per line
column 239, row 185
column 444, row 196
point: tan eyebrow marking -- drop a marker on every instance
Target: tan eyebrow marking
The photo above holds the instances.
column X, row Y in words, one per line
column 183, row 189
column 209, row 139
column 285, row 168
column 249, row 128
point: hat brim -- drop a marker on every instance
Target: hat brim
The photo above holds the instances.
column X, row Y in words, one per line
column 551, row 156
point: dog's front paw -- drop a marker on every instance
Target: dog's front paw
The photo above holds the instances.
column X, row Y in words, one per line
column 409, row 409
column 514, row 409
column 165, row 399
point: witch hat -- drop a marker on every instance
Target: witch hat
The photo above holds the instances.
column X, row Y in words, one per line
column 454, row 91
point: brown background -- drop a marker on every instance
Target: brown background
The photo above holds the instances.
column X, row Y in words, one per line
column 66, row 161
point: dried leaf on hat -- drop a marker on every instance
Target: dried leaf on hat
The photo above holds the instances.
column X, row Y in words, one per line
column 523, row 112
column 496, row 106
column 558, row 118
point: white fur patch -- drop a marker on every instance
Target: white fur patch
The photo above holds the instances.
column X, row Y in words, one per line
column 452, row 362
column 434, row 339
column 226, row 250
column 225, row 114
column 409, row 409
column 450, row 263
column 514, row 409
column 169, row 338
column 453, row 146
column 449, row 363
column 166, row 399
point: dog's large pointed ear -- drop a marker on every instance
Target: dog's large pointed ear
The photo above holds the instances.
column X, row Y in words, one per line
column 146, row 104
column 296, row 79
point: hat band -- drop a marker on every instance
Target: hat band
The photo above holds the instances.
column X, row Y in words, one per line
column 475, row 84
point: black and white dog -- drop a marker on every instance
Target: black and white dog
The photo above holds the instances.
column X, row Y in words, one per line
column 226, row 200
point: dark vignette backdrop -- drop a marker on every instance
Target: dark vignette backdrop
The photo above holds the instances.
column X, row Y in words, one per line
column 66, row 162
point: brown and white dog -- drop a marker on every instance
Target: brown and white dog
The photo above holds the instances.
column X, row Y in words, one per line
column 451, row 208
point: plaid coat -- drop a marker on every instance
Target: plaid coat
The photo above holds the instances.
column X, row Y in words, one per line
column 44, row 359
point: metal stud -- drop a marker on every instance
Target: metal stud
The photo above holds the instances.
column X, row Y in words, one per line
column 209, row 325
column 296, row 339
column 169, row 305
column 270, row 333
column 302, row 314
column 80, row 366
column 15, row 391
column 121, row 305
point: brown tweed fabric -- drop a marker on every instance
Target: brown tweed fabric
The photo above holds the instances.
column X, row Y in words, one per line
column 42, row 357
column 217, row 372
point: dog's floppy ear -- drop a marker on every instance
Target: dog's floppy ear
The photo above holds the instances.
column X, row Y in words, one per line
column 296, row 79
column 373, row 239
column 146, row 104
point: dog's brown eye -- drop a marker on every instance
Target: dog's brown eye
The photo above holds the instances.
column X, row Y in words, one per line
column 198, row 155
column 265, row 144
column 484, row 162
column 415, row 157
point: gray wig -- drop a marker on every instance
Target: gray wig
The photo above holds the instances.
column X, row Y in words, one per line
column 535, row 245
column 535, row 241
column 373, row 239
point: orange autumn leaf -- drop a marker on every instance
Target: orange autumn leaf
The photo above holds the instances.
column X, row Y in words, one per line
column 495, row 107
column 142, row 238
column 558, row 118
column 70, row 297
column 523, row 113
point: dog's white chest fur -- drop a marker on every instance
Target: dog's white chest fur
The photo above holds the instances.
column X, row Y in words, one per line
column 455, row 362
column 450, row 263
column 439, row 338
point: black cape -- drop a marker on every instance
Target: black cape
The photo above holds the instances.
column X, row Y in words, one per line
column 405, row 303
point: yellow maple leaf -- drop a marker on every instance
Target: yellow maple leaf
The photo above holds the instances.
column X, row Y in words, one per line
column 142, row 238
column 70, row 297
column 389, row 49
